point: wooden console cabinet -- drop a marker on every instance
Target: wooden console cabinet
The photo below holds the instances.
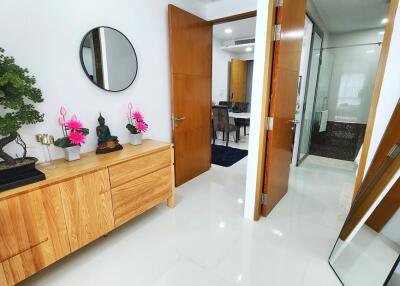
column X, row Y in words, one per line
column 79, row 202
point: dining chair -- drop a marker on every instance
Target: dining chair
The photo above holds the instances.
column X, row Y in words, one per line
column 241, row 107
column 226, row 103
column 221, row 123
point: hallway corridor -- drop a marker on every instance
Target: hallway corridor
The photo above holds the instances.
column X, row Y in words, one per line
column 206, row 241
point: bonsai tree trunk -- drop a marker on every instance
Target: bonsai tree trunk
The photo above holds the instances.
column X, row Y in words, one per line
column 3, row 142
column 21, row 143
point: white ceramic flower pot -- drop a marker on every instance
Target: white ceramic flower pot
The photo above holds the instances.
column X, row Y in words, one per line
column 72, row 153
column 136, row 139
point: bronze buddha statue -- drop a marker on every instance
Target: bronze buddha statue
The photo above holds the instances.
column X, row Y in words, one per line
column 106, row 143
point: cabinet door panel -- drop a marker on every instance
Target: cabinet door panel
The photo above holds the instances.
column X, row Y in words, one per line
column 3, row 280
column 25, row 242
column 22, row 223
column 88, row 207
column 56, row 221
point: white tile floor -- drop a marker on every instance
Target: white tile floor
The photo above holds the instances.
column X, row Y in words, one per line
column 367, row 260
column 205, row 240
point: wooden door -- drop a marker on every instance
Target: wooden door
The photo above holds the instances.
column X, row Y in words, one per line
column 238, row 81
column 386, row 209
column 88, row 207
column 282, row 108
column 190, row 40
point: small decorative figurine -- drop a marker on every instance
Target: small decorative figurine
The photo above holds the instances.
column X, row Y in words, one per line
column 106, row 142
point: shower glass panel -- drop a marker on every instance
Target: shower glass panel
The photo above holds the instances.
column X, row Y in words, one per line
column 344, row 91
column 352, row 82
column 324, row 83
column 312, row 83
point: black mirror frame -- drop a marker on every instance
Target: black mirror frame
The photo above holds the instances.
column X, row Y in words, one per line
column 83, row 65
column 333, row 249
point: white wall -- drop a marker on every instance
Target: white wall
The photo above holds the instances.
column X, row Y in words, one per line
column 256, row 107
column 245, row 56
column 220, row 73
column 353, row 75
column 220, row 9
column 314, row 15
column 390, row 93
column 45, row 37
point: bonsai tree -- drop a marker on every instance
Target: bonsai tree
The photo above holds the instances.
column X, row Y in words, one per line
column 17, row 95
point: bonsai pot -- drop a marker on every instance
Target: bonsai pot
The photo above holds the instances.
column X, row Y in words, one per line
column 136, row 139
column 72, row 153
column 20, row 174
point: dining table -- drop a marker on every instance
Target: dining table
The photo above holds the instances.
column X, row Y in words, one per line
column 244, row 116
column 239, row 115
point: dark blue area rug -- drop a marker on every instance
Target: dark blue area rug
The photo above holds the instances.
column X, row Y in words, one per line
column 226, row 156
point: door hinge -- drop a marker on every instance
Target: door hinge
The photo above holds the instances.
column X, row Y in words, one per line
column 278, row 3
column 394, row 151
column 264, row 198
column 269, row 123
column 277, row 32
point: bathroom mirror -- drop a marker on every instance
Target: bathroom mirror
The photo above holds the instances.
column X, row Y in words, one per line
column 108, row 59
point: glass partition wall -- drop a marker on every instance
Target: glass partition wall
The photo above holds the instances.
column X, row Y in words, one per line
column 312, row 84
column 338, row 98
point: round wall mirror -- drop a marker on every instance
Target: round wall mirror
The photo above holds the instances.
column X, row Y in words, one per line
column 108, row 59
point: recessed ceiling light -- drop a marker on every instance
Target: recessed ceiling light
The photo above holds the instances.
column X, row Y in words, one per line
column 384, row 21
column 228, row 31
column 249, row 49
column 382, row 33
column 370, row 51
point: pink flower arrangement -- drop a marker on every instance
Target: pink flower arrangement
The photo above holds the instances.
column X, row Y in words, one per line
column 136, row 123
column 76, row 138
column 73, row 131
column 141, row 126
column 73, row 124
column 137, row 116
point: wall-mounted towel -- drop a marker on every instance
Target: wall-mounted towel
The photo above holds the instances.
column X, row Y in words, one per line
column 324, row 121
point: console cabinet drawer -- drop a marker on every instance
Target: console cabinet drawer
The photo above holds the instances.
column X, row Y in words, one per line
column 137, row 196
column 133, row 169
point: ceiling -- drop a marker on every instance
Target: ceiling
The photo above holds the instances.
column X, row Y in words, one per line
column 240, row 29
column 350, row 15
column 209, row 1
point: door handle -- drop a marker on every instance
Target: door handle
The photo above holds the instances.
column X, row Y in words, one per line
column 179, row 118
column 294, row 121
column 176, row 120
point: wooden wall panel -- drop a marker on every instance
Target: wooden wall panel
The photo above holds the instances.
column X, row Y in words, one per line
column 238, row 81
column 88, row 207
